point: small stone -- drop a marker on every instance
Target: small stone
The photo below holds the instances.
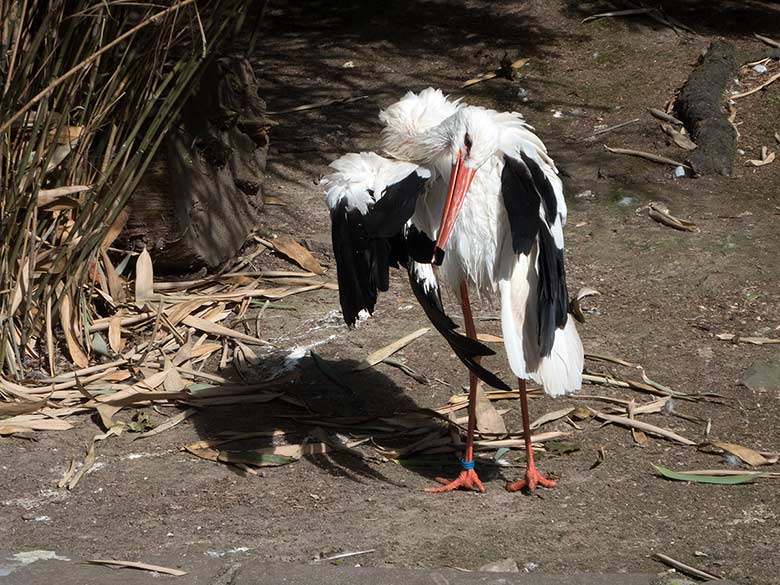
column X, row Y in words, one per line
column 679, row 171
column 587, row 194
column 502, row 566
column 760, row 68
column 763, row 376
column 626, row 201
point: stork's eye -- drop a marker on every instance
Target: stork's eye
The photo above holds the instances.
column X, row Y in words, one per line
column 467, row 142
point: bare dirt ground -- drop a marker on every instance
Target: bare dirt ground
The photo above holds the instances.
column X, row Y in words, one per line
column 665, row 295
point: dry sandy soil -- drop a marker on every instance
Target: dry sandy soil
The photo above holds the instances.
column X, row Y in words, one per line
column 665, row 295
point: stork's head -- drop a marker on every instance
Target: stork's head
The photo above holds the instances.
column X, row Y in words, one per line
column 472, row 136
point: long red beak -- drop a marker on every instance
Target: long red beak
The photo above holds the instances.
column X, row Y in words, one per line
column 460, row 181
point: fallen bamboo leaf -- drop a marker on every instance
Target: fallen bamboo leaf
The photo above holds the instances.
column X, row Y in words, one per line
column 699, row 478
column 680, row 139
column 766, row 158
column 290, row 248
column 751, row 340
column 647, row 156
column 488, row 419
column 106, row 413
column 642, row 426
column 406, row 370
column 551, row 416
column 749, row 456
column 67, row 475
column 68, row 320
column 115, row 334
column 489, row 338
column 47, row 196
column 663, row 216
column 139, row 566
column 575, row 307
column 612, row 128
column 144, row 277
column 726, row 472
column 221, row 330
column 17, row 408
column 18, row 425
column 388, row 350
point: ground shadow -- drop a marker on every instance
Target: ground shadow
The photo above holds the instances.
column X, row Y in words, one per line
column 328, row 400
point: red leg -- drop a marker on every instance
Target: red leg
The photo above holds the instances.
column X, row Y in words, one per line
column 532, row 477
column 468, row 478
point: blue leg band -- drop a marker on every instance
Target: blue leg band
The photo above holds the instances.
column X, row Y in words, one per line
column 467, row 464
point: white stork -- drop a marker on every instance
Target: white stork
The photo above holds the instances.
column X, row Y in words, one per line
column 474, row 192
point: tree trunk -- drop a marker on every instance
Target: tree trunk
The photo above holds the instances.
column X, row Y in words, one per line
column 202, row 194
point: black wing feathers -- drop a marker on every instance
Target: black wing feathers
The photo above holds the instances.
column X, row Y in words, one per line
column 521, row 200
column 466, row 348
column 525, row 188
column 366, row 245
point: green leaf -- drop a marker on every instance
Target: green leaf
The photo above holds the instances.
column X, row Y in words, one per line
column 500, row 453
column 560, row 448
column 719, row 479
column 141, row 423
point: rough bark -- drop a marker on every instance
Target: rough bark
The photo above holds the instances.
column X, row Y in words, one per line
column 202, row 194
column 700, row 107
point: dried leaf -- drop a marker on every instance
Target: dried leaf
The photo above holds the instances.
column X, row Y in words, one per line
column 717, row 479
column 114, row 230
column 488, row 419
column 139, row 566
column 388, row 350
column 751, row 340
column 115, row 334
column 288, row 247
column 489, row 338
column 67, row 320
column 17, row 408
column 551, row 416
column 144, row 277
column 220, row 330
column 47, row 196
column 765, row 160
column 680, row 139
column 575, row 306
column 663, row 216
column 643, row 426
column 749, row 456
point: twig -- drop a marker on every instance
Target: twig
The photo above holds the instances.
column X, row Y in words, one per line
column 320, row 104
column 687, row 569
column 615, row 127
column 767, row 40
column 629, row 12
column 648, row 428
column 769, row 81
column 647, row 156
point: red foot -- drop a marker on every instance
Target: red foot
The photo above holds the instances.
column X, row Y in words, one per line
column 467, row 479
column 532, row 479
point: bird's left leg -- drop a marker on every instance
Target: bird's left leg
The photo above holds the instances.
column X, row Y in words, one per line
column 532, row 476
column 468, row 478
